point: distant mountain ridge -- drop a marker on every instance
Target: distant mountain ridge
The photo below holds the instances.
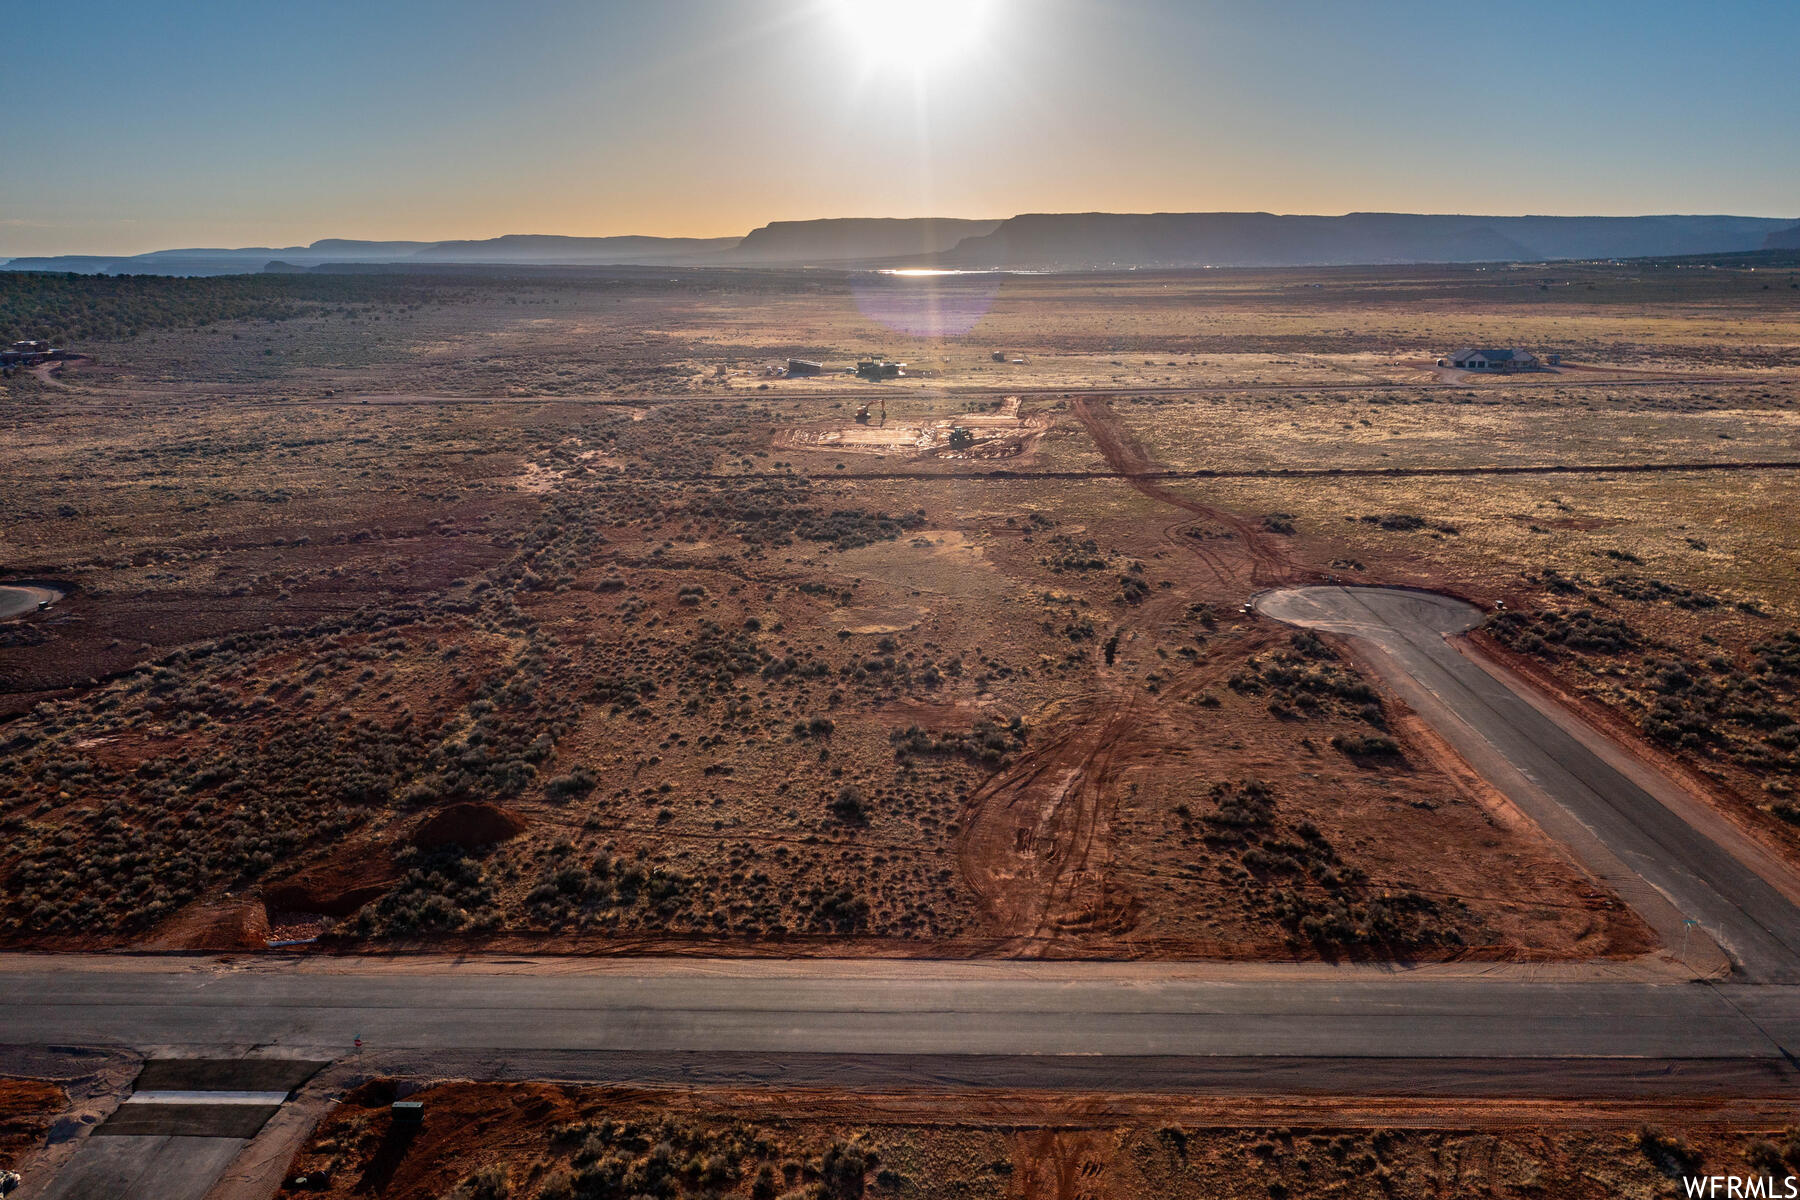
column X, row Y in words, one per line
column 1098, row 241
column 555, row 249
column 854, row 239
column 216, row 261
column 1032, row 241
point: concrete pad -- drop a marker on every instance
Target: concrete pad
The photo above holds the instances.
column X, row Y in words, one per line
column 239, row 1121
column 225, row 1074
column 143, row 1168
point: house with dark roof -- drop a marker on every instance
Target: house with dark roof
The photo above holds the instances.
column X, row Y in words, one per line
column 29, row 354
column 1482, row 358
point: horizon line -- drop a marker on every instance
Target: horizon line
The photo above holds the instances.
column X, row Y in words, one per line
column 428, row 242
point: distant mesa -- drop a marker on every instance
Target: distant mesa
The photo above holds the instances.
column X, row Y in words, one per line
column 1101, row 241
column 1783, row 239
column 76, row 264
column 854, row 240
column 354, row 248
column 556, row 250
column 1029, row 242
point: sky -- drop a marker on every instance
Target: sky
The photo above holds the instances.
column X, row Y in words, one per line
column 137, row 126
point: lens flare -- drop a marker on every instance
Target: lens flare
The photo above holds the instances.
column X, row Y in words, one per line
column 918, row 33
column 926, row 305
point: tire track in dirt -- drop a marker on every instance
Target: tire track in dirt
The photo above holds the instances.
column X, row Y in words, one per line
column 1034, row 845
column 1191, row 536
column 1267, row 564
column 1060, row 1164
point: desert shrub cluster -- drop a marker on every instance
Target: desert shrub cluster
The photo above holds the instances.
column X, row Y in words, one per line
column 1408, row 523
column 580, row 1144
column 1288, row 872
column 1741, row 707
column 543, row 1142
column 442, row 891
column 777, row 512
column 1308, row 679
column 1582, row 629
column 1069, row 553
column 985, row 742
column 99, row 843
column 70, row 309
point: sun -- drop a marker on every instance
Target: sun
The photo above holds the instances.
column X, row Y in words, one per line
column 921, row 34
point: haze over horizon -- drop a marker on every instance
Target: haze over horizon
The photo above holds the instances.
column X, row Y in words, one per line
column 708, row 118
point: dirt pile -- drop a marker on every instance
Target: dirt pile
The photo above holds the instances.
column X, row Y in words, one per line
column 471, row 825
column 234, row 923
column 343, row 882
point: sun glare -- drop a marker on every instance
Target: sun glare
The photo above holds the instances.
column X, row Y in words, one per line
column 917, row 33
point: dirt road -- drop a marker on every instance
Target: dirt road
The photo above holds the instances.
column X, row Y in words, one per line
column 1035, row 847
column 1255, row 558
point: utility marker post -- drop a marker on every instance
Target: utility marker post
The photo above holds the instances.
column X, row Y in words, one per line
column 1687, row 926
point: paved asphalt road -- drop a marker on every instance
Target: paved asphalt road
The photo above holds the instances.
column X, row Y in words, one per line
column 1617, row 825
column 912, row 1009
column 25, row 598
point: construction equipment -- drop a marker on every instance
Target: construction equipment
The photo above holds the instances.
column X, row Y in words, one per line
column 862, row 414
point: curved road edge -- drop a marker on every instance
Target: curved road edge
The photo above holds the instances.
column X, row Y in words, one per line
column 1710, row 903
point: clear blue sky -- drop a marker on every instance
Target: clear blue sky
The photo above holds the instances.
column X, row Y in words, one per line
column 134, row 126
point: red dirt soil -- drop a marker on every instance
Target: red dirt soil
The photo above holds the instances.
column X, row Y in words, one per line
column 1249, row 555
column 231, row 924
column 1034, row 833
column 1026, row 1146
column 27, row 1106
column 337, row 886
column 469, row 825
